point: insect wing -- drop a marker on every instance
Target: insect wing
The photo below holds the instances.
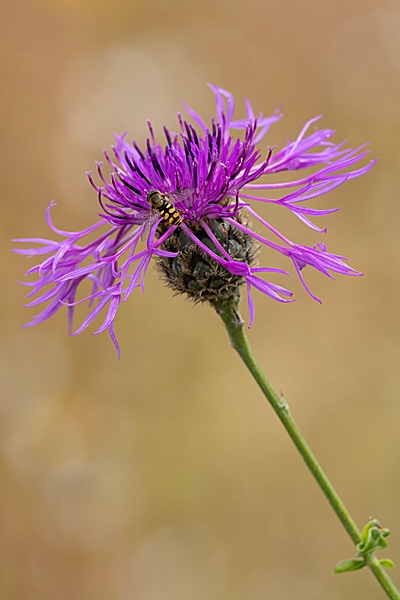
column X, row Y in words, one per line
column 179, row 195
column 151, row 219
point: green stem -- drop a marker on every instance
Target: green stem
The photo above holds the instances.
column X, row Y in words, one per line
column 234, row 324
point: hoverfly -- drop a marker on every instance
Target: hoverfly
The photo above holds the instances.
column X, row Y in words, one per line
column 163, row 205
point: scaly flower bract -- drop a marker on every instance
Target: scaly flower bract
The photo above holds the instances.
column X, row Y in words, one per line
column 220, row 173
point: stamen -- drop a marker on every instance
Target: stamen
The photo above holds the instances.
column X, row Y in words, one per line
column 167, row 135
column 138, row 150
column 129, row 185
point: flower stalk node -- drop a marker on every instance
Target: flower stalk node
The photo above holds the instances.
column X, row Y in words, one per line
column 372, row 538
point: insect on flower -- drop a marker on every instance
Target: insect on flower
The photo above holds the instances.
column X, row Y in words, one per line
column 163, row 205
column 190, row 202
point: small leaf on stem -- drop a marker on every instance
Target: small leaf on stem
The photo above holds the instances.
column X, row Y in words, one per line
column 350, row 564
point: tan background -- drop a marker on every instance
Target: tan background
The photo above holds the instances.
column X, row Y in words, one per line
column 163, row 476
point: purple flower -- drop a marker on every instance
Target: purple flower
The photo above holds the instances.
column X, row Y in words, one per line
column 205, row 176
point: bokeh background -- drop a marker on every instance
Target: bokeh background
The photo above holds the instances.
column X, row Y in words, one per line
column 164, row 476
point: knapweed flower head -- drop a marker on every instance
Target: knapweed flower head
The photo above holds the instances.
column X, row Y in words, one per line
column 186, row 203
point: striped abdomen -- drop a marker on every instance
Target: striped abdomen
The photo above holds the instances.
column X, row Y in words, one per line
column 169, row 213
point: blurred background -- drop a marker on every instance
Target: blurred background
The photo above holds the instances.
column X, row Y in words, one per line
column 164, row 476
